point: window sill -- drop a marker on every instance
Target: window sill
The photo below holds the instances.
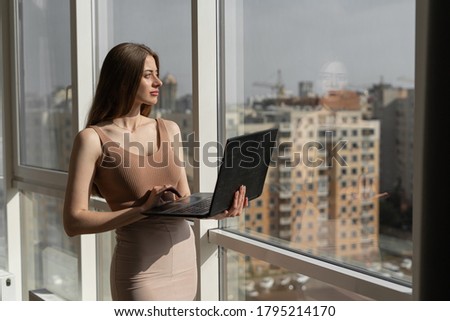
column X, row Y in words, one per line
column 355, row 281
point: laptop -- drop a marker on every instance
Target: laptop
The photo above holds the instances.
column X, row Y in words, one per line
column 245, row 161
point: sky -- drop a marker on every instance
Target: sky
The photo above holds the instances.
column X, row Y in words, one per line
column 372, row 39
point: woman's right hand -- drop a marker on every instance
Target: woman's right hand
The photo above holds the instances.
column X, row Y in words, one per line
column 240, row 202
column 160, row 195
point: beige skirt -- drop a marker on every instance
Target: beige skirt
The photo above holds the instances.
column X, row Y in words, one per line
column 154, row 259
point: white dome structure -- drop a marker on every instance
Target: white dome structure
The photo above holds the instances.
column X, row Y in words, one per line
column 333, row 77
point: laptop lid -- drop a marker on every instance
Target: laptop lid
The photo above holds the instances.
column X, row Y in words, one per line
column 245, row 161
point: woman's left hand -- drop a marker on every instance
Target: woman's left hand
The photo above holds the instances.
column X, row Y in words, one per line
column 240, row 201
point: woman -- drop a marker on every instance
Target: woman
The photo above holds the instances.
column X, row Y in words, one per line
column 129, row 159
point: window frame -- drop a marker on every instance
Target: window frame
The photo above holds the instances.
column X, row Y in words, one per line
column 341, row 276
column 50, row 182
column 208, row 90
column 26, row 175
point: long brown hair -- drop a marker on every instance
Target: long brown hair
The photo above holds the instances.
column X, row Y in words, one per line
column 119, row 81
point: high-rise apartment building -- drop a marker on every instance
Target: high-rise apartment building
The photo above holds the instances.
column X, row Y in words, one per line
column 394, row 107
column 322, row 193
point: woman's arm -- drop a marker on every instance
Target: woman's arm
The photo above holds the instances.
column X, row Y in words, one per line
column 77, row 217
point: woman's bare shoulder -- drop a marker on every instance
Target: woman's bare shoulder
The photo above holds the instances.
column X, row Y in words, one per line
column 172, row 127
column 87, row 138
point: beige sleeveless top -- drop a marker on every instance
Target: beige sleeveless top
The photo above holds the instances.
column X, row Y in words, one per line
column 123, row 178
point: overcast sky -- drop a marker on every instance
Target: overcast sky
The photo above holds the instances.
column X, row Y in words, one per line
column 373, row 39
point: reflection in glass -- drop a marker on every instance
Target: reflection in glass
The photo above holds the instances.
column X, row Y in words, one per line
column 45, row 110
column 52, row 256
column 341, row 184
column 105, row 248
column 3, row 241
column 256, row 280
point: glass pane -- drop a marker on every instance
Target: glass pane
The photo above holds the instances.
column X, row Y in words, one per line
column 53, row 256
column 336, row 78
column 3, row 241
column 142, row 21
column 105, row 246
column 45, row 106
column 256, row 280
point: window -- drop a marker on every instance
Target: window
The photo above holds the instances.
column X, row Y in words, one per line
column 261, row 280
column 142, row 21
column 42, row 55
column 3, row 231
column 3, row 242
column 52, row 257
column 255, row 82
column 323, row 60
column 45, row 106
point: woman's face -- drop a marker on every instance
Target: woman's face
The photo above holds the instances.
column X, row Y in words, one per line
column 148, row 90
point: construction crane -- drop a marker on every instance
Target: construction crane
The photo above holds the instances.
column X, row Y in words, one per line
column 278, row 86
column 407, row 81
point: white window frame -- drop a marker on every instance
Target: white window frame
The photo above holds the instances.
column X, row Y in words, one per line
column 206, row 93
column 358, row 282
column 47, row 181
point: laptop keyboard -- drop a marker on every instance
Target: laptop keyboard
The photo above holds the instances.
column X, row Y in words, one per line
column 198, row 207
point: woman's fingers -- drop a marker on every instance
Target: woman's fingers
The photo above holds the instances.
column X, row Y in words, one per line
column 160, row 195
column 238, row 202
column 167, row 192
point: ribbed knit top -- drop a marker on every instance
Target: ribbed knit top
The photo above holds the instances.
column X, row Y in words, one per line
column 123, row 178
